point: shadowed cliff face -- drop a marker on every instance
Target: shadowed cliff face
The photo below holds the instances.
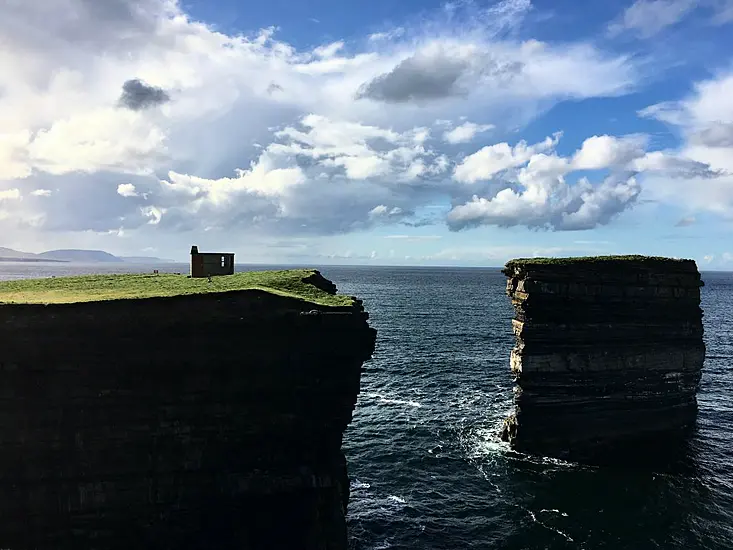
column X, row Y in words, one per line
column 204, row 421
column 608, row 358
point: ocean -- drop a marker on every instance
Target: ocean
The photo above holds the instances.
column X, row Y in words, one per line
column 428, row 470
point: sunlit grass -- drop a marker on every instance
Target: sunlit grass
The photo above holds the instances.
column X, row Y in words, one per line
column 90, row 288
column 511, row 265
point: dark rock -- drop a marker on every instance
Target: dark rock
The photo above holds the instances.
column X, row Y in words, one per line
column 202, row 421
column 608, row 356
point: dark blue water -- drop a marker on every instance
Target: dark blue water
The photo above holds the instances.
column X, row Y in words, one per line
column 428, row 471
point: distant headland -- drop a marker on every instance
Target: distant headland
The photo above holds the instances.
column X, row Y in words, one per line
column 74, row 255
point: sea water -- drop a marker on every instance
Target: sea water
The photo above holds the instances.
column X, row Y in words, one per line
column 428, row 470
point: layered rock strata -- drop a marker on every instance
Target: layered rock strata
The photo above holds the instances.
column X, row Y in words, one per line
column 201, row 421
column 608, row 356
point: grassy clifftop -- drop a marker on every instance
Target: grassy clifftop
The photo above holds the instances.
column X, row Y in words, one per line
column 91, row 288
column 610, row 261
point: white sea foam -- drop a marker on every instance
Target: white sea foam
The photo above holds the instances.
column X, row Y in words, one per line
column 548, row 527
column 394, row 498
column 391, row 401
column 356, row 485
column 555, row 511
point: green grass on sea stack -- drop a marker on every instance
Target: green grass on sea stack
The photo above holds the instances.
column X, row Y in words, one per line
column 93, row 288
column 519, row 262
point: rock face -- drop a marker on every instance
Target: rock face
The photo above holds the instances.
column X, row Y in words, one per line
column 203, row 421
column 608, row 355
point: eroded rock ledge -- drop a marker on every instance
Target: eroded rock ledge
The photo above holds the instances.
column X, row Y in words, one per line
column 608, row 355
column 202, row 421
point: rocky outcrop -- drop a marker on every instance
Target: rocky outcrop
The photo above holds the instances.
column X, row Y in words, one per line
column 608, row 355
column 201, row 421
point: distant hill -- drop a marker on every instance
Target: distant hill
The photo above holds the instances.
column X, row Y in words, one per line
column 75, row 255
column 83, row 256
column 10, row 255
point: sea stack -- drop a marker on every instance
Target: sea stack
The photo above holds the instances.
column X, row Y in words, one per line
column 166, row 412
column 608, row 356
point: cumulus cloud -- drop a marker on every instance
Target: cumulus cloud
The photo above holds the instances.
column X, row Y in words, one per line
column 493, row 159
column 465, row 132
column 262, row 135
column 598, row 152
column 673, row 165
column 702, row 168
column 542, row 198
column 715, row 134
column 136, row 95
column 126, row 190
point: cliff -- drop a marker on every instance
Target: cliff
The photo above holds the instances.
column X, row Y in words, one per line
column 208, row 419
column 608, row 355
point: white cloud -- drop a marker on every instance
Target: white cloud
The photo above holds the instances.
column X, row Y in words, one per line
column 465, row 132
column 598, row 152
column 648, row 17
column 126, row 190
column 94, row 93
column 104, row 139
column 328, row 50
column 359, row 168
column 10, row 194
column 381, row 210
column 391, row 34
column 703, row 165
column 493, row 159
column 13, row 164
column 544, row 199
column 674, row 165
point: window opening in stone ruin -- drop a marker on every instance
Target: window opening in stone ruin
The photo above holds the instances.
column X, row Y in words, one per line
column 222, row 261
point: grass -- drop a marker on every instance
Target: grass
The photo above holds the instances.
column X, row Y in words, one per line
column 91, row 288
column 528, row 262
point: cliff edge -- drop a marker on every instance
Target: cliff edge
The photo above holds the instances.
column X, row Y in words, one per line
column 608, row 356
column 146, row 411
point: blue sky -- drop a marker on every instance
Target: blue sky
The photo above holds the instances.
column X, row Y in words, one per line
column 381, row 132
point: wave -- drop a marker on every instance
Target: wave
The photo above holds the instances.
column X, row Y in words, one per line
column 549, row 527
column 391, row 401
column 355, row 485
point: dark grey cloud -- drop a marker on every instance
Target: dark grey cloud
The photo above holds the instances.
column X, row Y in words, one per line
column 423, row 78
column 716, row 135
column 136, row 95
column 417, row 78
column 101, row 25
column 687, row 168
column 274, row 87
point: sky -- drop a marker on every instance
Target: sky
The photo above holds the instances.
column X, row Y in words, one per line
column 380, row 132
